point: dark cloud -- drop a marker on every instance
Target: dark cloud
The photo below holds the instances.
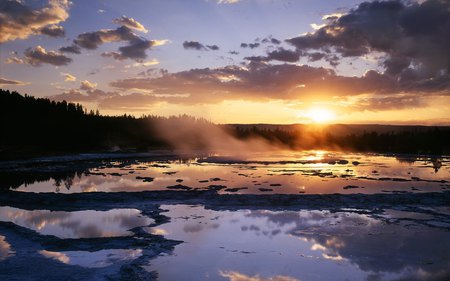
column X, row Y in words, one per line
column 5, row 82
column 213, row 47
column 261, row 81
column 74, row 49
column 194, row 45
column 136, row 48
column 275, row 41
column 272, row 40
column 18, row 21
column 414, row 37
column 279, row 54
column 92, row 40
column 257, row 81
column 233, row 52
column 282, row 54
column 53, row 31
column 257, row 59
column 250, row 45
column 39, row 56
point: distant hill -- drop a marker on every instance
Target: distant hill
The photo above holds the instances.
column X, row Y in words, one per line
column 340, row 129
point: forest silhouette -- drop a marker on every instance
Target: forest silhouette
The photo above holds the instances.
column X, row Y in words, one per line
column 33, row 126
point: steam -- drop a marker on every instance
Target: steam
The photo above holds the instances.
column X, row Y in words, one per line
column 191, row 136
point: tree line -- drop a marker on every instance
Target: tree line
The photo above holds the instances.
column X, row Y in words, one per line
column 31, row 126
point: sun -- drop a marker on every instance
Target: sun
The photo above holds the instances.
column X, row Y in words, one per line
column 320, row 115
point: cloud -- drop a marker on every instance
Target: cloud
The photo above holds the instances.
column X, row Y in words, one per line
column 143, row 64
column 86, row 85
column 261, row 81
column 6, row 82
column 282, row 54
column 39, row 56
column 194, row 45
column 92, row 40
column 53, row 31
column 213, row 47
column 250, row 45
column 130, row 23
column 18, row 21
column 136, row 48
column 413, row 36
column 74, row 49
column 74, row 95
column 272, row 40
column 68, row 77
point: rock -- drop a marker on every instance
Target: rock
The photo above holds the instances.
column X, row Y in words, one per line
column 179, row 186
column 217, row 187
column 236, row 189
column 145, row 179
column 350, row 187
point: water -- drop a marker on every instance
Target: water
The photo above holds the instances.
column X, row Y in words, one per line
column 89, row 220
column 79, row 224
column 300, row 245
column 316, row 172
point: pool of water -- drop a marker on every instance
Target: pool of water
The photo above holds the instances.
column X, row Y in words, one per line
column 78, row 224
column 69, row 220
column 316, row 172
column 301, row 245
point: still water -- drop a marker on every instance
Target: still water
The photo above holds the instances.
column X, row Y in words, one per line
column 316, row 172
column 128, row 238
column 302, row 245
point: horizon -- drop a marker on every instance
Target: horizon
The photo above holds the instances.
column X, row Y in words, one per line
column 233, row 62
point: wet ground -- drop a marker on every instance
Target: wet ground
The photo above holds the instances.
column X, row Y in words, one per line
column 281, row 216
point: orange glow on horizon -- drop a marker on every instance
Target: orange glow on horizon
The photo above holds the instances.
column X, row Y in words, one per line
column 320, row 115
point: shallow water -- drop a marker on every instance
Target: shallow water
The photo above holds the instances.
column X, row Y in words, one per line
column 316, row 172
column 79, row 224
column 83, row 229
column 300, row 245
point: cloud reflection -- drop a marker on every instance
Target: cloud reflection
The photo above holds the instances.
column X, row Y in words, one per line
column 5, row 248
column 370, row 243
column 237, row 276
column 80, row 224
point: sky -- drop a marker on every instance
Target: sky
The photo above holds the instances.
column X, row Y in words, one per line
column 235, row 61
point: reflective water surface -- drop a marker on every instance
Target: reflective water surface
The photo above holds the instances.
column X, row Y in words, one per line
column 98, row 259
column 79, row 224
column 302, row 245
column 313, row 172
column 97, row 233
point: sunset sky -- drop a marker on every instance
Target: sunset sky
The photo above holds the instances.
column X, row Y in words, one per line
column 235, row 61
